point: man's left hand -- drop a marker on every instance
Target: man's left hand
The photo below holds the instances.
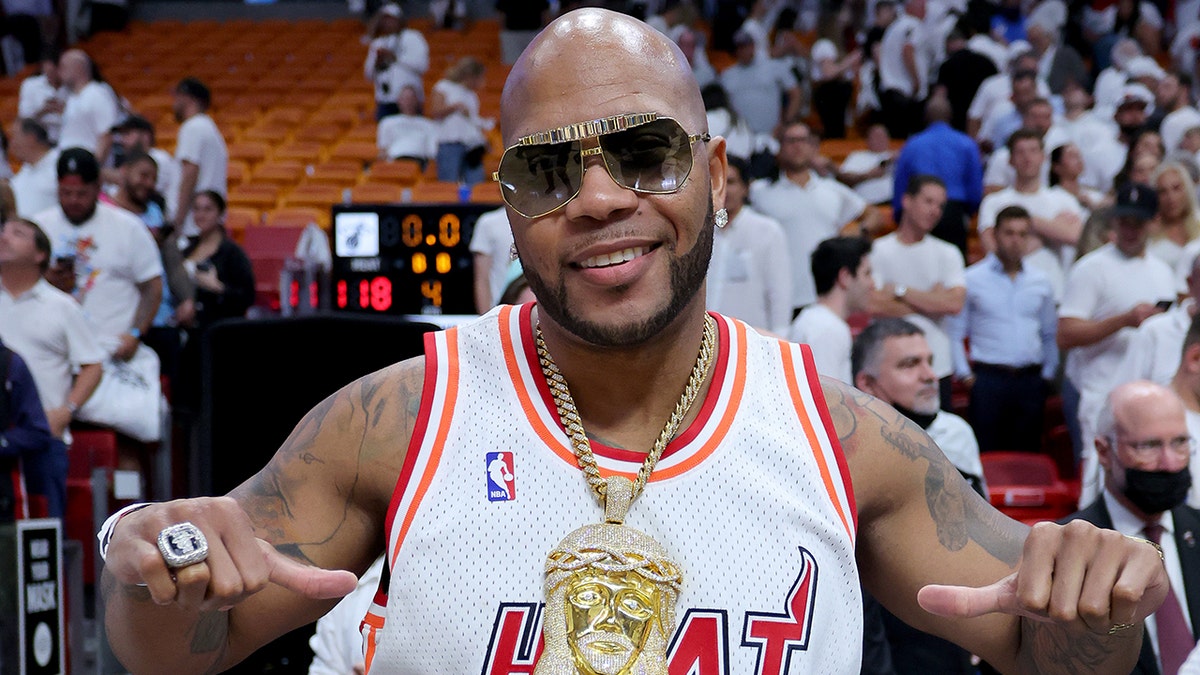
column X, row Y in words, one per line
column 1077, row 575
column 127, row 348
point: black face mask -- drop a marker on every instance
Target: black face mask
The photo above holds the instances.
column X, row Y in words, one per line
column 1157, row 491
column 922, row 420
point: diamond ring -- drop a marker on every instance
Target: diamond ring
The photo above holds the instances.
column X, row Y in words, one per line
column 182, row 544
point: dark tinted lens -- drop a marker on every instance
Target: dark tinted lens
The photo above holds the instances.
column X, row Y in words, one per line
column 652, row 157
column 537, row 179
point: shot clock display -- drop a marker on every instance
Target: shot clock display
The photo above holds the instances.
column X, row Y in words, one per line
column 404, row 259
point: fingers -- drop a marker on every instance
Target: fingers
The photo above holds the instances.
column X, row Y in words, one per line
column 311, row 582
column 1076, row 575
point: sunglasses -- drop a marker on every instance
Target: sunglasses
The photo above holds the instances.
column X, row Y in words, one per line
column 643, row 152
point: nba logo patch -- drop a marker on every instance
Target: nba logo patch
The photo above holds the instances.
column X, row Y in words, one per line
column 501, row 481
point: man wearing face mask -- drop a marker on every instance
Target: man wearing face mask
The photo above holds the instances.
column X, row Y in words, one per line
column 1143, row 445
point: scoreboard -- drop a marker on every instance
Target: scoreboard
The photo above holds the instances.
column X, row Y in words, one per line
column 404, row 259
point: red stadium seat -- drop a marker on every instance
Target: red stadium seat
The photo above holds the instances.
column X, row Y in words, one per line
column 1026, row 486
column 269, row 249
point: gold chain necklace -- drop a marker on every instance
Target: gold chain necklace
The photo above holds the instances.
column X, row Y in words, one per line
column 608, row 574
column 569, row 414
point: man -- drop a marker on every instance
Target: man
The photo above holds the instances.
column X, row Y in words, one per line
column 42, row 97
column 491, row 248
column 136, row 190
column 1009, row 319
column 1057, row 216
column 1143, row 444
column 49, row 329
column 920, row 277
column 953, row 157
column 1154, row 348
column 1007, row 117
column 24, row 443
column 91, row 107
column 893, row 362
column 750, row 276
column 1038, row 115
column 1186, row 384
column 904, row 59
column 994, row 96
column 961, row 74
column 396, row 59
column 199, row 150
column 1173, row 93
column 757, row 84
column 841, row 268
column 1058, row 63
column 36, row 184
column 810, row 208
column 871, row 172
column 135, row 135
column 408, row 134
column 103, row 255
column 1109, row 292
column 638, row 327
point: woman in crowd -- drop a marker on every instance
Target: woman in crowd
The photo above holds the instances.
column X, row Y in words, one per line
column 224, row 283
column 1066, row 165
column 1177, row 221
column 454, row 102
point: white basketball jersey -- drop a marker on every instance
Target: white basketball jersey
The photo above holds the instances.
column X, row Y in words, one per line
column 753, row 500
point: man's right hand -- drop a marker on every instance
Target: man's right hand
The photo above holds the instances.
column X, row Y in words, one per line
column 239, row 564
column 1139, row 313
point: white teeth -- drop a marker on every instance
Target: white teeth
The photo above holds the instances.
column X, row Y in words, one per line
column 615, row 258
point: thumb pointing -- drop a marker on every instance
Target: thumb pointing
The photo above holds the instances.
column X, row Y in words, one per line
column 961, row 602
column 311, row 582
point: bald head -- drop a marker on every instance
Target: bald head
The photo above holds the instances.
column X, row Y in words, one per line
column 593, row 63
column 75, row 68
column 1131, row 405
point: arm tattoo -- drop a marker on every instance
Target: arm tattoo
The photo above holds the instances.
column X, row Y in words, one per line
column 958, row 513
column 210, row 632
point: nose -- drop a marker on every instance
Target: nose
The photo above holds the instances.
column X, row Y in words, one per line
column 600, row 198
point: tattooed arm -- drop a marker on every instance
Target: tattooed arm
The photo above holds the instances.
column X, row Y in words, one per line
column 1039, row 600
column 319, row 503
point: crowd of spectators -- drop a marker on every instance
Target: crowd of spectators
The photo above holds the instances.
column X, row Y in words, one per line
column 1017, row 221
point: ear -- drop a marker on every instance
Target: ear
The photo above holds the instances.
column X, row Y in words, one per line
column 1104, row 451
column 1191, row 358
column 718, row 164
column 865, row 383
column 845, row 277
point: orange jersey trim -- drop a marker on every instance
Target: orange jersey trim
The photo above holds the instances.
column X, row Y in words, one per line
column 814, row 441
column 556, row 445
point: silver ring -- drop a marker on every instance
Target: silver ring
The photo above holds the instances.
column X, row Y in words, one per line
column 182, row 544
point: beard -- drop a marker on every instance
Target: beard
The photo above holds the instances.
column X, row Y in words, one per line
column 602, row 663
column 687, row 276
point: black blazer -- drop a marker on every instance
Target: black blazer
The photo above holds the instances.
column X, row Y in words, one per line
column 1187, row 530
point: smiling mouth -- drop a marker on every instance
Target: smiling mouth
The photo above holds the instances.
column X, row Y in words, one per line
column 615, row 258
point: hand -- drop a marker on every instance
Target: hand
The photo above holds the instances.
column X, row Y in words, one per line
column 238, row 565
column 208, row 280
column 58, row 418
column 1077, row 575
column 127, row 348
column 185, row 313
column 1139, row 313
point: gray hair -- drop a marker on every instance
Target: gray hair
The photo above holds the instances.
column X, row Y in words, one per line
column 864, row 354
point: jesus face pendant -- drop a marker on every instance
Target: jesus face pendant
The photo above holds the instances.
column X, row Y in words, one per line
column 610, row 604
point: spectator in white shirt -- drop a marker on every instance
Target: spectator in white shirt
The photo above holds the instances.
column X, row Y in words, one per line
column 841, row 268
column 1009, row 319
column 1154, row 349
column 408, row 134
column 91, row 108
column 750, row 276
column 870, row 172
column 454, row 103
column 36, row 184
column 135, row 136
column 904, row 66
column 200, row 151
column 920, row 277
column 42, row 97
column 1109, row 292
column 397, row 57
column 492, row 246
column 810, row 208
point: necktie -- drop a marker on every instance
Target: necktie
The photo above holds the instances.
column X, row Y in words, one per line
column 1175, row 639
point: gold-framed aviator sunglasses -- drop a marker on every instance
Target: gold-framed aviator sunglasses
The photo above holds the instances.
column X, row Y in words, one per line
column 643, row 152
